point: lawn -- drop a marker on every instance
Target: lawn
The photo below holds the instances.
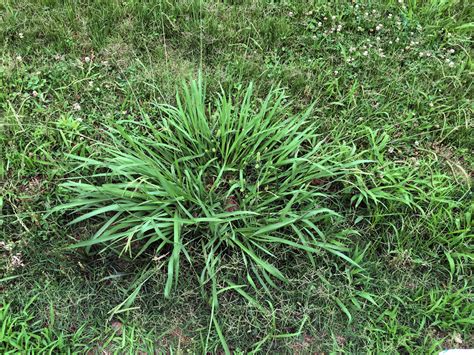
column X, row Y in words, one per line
column 236, row 176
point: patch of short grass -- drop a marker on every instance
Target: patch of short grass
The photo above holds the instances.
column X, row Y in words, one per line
column 21, row 333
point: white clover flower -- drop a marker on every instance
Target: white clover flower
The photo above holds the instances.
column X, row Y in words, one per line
column 397, row 40
column 390, row 42
column 421, row 54
column 359, row 29
column 290, row 14
column 319, row 24
column 336, row 72
column 365, row 53
column 352, row 49
column 391, row 150
column 339, row 28
column 19, row 58
column 428, row 54
column 333, row 17
column 390, row 15
column 76, row 106
column 20, row 35
column 378, row 38
column 451, row 64
column 87, row 59
column 34, row 93
column 17, row 260
column 431, row 104
column 451, row 51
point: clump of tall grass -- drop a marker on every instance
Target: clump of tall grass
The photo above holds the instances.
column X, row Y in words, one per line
column 208, row 179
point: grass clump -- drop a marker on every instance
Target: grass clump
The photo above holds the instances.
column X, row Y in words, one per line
column 206, row 181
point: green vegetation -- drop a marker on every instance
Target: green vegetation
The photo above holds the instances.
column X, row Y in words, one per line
column 20, row 333
column 307, row 189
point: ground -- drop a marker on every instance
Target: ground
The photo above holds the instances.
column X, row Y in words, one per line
column 391, row 78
